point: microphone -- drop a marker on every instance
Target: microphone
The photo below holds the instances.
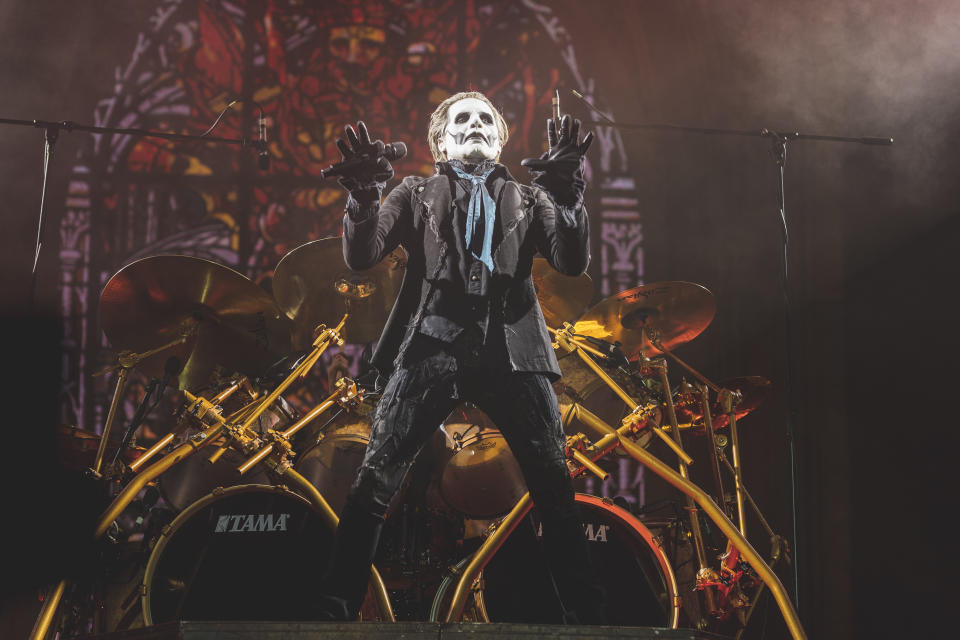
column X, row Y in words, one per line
column 391, row 151
column 263, row 153
column 263, row 156
column 171, row 369
column 555, row 104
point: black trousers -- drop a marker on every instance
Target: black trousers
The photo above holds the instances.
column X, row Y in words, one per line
column 415, row 401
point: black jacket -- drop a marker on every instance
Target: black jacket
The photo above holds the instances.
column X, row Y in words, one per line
column 419, row 216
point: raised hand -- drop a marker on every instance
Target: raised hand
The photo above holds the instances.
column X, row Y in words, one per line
column 371, row 170
column 560, row 169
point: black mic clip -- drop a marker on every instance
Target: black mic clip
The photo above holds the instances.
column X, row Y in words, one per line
column 612, row 353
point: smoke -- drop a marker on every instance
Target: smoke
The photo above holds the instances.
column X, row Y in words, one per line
column 857, row 68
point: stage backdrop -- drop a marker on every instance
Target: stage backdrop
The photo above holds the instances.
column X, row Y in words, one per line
column 872, row 229
column 312, row 68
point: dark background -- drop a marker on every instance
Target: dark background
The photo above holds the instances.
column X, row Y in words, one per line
column 871, row 284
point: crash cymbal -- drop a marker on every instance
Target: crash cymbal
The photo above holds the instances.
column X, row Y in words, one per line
column 238, row 325
column 313, row 285
column 562, row 298
column 677, row 311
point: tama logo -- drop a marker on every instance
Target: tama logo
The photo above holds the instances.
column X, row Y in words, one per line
column 592, row 533
column 252, row 522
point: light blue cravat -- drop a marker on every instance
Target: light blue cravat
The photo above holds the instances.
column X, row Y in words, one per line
column 479, row 196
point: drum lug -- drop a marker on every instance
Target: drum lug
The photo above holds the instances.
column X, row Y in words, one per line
column 217, row 491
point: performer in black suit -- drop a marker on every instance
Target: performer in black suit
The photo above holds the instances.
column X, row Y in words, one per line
column 466, row 325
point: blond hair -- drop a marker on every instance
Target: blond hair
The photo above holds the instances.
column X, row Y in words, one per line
column 438, row 122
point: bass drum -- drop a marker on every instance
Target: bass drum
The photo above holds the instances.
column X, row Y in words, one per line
column 248, row 552
column 641, row 590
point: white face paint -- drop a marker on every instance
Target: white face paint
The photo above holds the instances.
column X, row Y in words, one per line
column 471, row 132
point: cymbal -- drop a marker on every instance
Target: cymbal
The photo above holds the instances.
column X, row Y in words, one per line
column 77, row 448
column 239, row 326
column 677, row 311
column 753, row 391
column 562, row 298
column 313, row 285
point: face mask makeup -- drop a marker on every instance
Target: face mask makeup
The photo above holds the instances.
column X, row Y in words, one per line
column 471, row 132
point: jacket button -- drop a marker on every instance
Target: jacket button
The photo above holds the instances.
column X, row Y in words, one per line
column 420, row 188
column 474, row 277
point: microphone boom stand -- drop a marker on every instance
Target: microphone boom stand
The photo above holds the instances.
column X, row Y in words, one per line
column 52, row 133
column 779, row 142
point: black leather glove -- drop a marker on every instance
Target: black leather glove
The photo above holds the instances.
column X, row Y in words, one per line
column 560, row 170
column 366, row 180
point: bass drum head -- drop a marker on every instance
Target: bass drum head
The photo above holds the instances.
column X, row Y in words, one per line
column 249, row 552
column 632, row 568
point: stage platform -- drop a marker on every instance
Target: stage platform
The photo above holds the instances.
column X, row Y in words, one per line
column 397, row 630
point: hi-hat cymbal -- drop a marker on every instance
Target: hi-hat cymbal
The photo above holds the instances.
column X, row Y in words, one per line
column 239, row 327
column 675, row 311
column 313, row 285
column 562, row 298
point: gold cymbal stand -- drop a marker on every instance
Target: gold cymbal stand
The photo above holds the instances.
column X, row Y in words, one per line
column 729, row 399
column 126, row 360
column 620, row 437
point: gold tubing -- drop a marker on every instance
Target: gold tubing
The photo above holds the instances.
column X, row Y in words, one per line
column 590, row 465
column 483, row 555
column 317, row 500
column 691, row 507
column 111, row 416
column 299, row 424
column 630, row 402
column 42, row 626
column 152, row 472
column 756, row 508
column 712, row 445
column 737, row 471
column 319, row 346
column 152, row 451
column 728, row 529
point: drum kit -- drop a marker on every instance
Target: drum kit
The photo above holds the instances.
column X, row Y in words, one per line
column 237, row 503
